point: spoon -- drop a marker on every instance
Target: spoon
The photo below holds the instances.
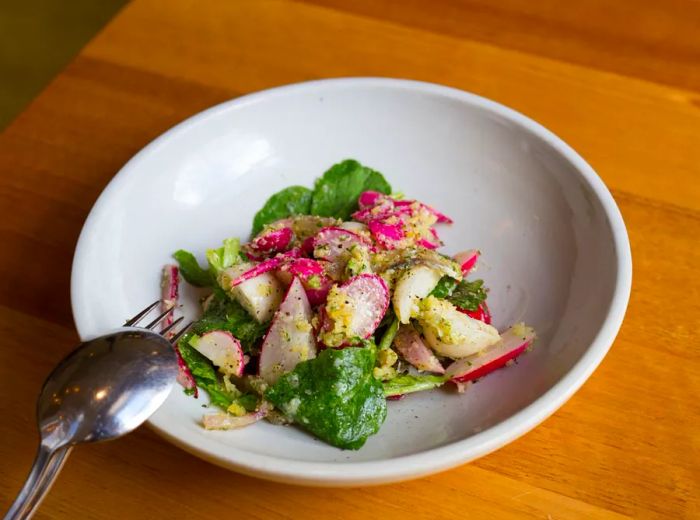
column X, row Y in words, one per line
column 104, row 389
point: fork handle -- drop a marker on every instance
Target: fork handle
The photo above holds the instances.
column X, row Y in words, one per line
column 47, row 464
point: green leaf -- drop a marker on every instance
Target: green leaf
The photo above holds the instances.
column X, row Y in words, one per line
column 191, row 270
column 295, row 200
column 406, row 384
column 468, row 295
column 444, row 287
column 225, row 256
column 226, row 314
column 336, row 192
column 465, row 295
column 334, row 396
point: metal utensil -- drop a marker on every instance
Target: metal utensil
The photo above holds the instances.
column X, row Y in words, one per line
column 104, row 389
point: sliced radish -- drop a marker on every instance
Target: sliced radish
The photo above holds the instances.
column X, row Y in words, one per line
column 369, row 198
column 263, row 267
column 226, row 421
column 382, row 210
column 184, row 375
column 414, row 285
column 354, row 310
column 270, row 242
column 451, row 333
column 513, row 342
column 222, row 349
column 312, row 274
column 467, row 260
column 356, row 227
column 332, row 242
column 410, row 345
column 259, row 295
column 290, row 339
column 169, row 294
column 388, row 235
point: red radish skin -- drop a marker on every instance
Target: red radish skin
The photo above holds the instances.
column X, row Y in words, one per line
column 226, row 421
column 169, row 294
column 467, row 260
column 474, row 367
column 369, row 198
column 313, row 277
column 184, row 376
column 290, row 339
column 222, row 349
column 368, row 296
column 387, row 235
column 271, row 242
column 271, row 264
column 410, row 345
column 482, row 313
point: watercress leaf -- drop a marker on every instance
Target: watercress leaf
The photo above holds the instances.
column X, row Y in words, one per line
column 336, row 192
column 295, row 200
column 191, row 270
column 334, row 396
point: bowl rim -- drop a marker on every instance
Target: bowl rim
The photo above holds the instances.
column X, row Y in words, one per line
column 436, row 459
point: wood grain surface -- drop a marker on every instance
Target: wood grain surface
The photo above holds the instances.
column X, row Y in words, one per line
column 620, row 81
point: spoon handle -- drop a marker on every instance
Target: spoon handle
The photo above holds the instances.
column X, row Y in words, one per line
column 46, row 466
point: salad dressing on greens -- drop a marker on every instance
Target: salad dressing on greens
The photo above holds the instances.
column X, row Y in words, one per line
column 338, row 302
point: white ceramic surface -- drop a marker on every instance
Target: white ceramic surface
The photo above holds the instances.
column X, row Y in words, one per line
column 555, row 254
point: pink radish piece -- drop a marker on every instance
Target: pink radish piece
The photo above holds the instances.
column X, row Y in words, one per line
column 222, row 349
column 169, row 293
column 513, row 342
column 312, row 275
column 467, row 260
column 410, row 345
column 271, row 242
column 265, row 266
column 290, row 339
column 369, row 198
column 184, row 376
column 226, row 421
column 388, row 235
column 365, row 299
column 332, row 242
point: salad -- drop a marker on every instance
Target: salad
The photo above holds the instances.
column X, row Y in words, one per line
column 339, row 302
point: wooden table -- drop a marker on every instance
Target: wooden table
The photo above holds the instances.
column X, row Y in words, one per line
column 620, row 81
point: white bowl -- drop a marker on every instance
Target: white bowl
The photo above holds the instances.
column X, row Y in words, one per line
column 555, row 254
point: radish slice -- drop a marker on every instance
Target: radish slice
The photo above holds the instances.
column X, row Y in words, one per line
column 270, row 242
column 354, row 310
column 226, row 421
column 290, row 339
column 222, row 349
column 332, row 242
column 260, row 295
column 369, row 198
column 264, row 267
column 513, row 342
column 169, row 294
column 184, row 375
column 312, row 274
column 467, row 260
column 451, row 333
column 387, row 235
column 410, row 345
column 414, row 285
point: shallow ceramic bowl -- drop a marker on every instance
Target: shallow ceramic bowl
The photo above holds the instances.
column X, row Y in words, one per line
column 555, row 254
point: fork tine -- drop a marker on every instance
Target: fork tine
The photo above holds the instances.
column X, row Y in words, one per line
column 170, row 326
column 177, row 336
column 160, row 317
column 133, row 321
